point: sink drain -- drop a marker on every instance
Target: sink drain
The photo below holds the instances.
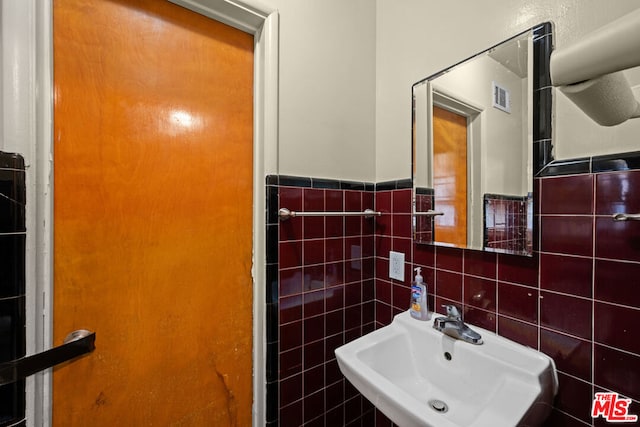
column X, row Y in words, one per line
column 438, row 405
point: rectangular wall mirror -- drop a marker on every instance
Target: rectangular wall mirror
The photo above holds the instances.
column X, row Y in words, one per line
column 481, row 131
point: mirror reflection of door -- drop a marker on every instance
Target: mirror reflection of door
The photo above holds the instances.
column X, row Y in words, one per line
column 450, row 176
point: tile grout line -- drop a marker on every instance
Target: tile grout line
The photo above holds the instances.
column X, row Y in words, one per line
column 594, row 195
column 620, row 350
column 497, row 295
column 539, row 275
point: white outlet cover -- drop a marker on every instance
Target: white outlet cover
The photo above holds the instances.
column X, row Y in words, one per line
column 396, row 265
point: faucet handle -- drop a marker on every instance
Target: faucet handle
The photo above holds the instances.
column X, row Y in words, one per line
column 452, row 311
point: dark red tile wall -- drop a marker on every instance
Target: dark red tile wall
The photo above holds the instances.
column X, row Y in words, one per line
column 12, row 282
column 577, row 299
column 393, row 233
column 424, row 224
column 325, row 298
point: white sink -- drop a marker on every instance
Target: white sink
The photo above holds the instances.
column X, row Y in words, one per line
column 406, row 366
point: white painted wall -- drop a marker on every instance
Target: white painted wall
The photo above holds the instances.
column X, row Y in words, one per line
column 502, row 140
column 327, row 88
column 416, row 38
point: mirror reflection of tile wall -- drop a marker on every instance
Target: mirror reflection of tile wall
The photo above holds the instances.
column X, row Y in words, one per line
column 506, row 226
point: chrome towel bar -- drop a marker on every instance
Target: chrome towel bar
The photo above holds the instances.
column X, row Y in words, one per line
column 626, row 217
column 285, row 213
column 428, row 213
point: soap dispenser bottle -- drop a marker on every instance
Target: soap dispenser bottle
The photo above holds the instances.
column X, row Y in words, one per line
column 419, row 309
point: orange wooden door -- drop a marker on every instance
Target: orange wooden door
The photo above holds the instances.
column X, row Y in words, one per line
column 450, row 176
column 153, row 162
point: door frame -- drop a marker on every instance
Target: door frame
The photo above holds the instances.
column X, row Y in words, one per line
column 474, row 113
column 26, row 122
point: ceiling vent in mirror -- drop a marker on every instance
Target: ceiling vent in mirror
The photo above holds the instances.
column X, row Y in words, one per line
column 501, row 98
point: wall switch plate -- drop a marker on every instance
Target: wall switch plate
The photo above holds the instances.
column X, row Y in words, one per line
column 396, row 265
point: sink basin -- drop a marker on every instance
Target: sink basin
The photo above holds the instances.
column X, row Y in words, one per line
column 418, row 376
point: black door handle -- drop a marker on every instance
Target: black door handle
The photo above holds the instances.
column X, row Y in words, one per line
column 75, row 344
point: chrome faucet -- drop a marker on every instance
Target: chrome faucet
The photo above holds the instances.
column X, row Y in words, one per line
column 453, row 326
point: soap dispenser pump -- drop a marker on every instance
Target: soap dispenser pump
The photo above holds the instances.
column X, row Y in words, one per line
column 419, row 309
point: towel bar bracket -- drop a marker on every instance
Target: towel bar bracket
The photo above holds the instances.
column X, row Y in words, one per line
column 626, row 217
